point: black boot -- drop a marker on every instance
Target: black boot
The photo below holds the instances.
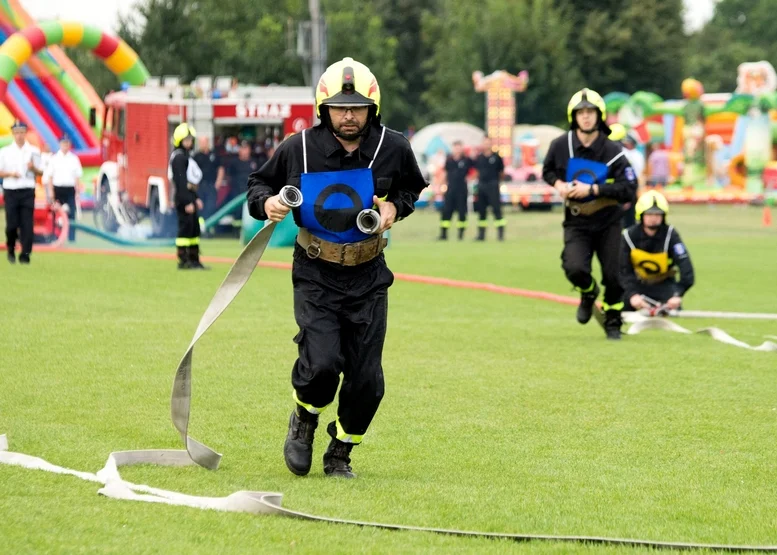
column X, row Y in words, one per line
column 194, row 258
column 585, row 308
column 481, row 234
column 443, row 234
column 11, row 257
column 298, row 449
column 461, row 233
column 337, row 460
column 612, row 324
column 183, row 259
column 501, row 232
column 24, row 258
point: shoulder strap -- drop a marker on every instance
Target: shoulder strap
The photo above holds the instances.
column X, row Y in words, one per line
column 668, row 238
column 569, row 141
column 304, row 153
column 621, row 153
column 628, row 239
column 380, row 143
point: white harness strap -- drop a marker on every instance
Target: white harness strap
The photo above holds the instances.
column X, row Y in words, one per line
column 304, row 153
column 628, row 239
column 668, row 237
column 380, row 143
column 622, row 153
column 572, row 152
column 305, row 149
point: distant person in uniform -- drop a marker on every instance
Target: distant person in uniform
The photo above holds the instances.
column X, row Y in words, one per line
column 62, row 178
column 19, row 164
column 457, row 166
column 212, row 176
column 490, row 168
column 238, row 171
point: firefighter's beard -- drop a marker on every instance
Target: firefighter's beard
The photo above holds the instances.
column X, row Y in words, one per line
column 349, row 130
column 653, row 227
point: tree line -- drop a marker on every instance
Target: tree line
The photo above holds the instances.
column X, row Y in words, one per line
column 424, row 51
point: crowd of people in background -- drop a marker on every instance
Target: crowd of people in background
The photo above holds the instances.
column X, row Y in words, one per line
column 226, row 165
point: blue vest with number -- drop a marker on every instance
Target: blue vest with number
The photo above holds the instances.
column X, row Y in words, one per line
column 587, row 171
column 331, row 201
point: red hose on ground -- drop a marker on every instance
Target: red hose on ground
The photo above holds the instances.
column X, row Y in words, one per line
column 412, row 278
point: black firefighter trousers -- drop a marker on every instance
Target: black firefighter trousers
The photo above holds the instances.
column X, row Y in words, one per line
column 19, row 217
column 580, row 244
column 341, row 313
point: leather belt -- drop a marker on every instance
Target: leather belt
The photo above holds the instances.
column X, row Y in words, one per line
column 347, row 254
column 590, row 207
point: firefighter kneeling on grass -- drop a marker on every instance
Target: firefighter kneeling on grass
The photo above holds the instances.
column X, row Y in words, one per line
column 185, row 175
column 593, row 176
column 652, row 255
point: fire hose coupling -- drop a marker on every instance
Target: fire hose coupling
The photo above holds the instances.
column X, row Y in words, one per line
column 368, row 221
column 291, row 196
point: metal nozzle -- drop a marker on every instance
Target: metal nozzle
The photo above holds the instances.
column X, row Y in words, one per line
column 368, row 221
column 291, row 196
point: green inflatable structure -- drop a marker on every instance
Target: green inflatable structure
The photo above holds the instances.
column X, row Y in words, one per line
column 285, row 233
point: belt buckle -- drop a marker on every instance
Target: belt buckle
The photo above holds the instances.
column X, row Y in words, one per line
column 344, row 247
column 313, row 251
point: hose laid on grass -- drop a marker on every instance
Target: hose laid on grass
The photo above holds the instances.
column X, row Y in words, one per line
column 256, row 501
column 260, row 502
column 265, row 502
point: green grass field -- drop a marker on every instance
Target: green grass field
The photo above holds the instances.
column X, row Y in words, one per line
column 501, row 413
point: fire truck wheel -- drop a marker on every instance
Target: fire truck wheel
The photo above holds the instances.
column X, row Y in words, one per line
column 104, row 218
column 162, row 225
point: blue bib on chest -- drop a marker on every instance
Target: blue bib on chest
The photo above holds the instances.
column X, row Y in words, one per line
column 332, row 200
column 586, row 171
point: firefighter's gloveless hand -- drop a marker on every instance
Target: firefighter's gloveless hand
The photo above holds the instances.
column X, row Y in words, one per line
column 199, row 204
column 581, row 190
column 674, row 303
column 189, row 208
column 638, row 302
column 562, row 187
column 388, row 213
column 275, row 209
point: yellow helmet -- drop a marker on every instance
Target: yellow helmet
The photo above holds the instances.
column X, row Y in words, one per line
column 652, row 202
column 181, row 132
column 617, row 132
column 586, row 98
column 347, row 83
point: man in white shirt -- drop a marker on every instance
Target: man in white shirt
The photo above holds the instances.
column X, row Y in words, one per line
column 19, row 164
column 63, row 175
column 637, row 161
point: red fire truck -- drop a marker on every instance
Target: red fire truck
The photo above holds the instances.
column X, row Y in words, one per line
column 137, row 141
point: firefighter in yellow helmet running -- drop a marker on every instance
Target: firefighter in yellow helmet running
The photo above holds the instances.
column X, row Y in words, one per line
column 652, row 255
column 184, row 176
column 593, row 176
column 346, row 163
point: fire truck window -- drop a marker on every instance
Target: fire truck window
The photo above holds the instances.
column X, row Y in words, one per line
column 120, row 123
column 109, row 119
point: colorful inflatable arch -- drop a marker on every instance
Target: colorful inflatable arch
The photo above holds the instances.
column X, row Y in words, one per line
column 117, row 55
column 24, row 93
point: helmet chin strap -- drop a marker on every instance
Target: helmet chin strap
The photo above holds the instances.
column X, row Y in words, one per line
column 589, row 131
